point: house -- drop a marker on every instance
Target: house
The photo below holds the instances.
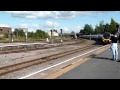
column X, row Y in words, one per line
column 54, row 33
column 4, row 30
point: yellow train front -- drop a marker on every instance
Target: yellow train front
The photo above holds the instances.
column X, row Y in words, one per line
column 106, row 38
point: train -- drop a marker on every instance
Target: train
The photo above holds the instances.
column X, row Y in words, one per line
column 100, row 38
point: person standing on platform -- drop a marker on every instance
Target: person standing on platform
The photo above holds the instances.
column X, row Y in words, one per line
column 118, row 32
column 114, row 46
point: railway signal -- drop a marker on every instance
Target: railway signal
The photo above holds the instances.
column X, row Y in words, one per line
column 51, row 36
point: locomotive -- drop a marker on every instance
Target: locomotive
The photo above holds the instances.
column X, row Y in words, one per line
column 100, row 38
column 106, row 38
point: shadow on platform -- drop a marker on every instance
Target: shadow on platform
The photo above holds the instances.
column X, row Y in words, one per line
column 105, row 58
column 96, row 57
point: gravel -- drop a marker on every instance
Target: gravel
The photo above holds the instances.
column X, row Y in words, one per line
column 12, row 58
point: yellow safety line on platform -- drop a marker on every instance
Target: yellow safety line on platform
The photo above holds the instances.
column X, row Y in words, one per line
column 72, row 66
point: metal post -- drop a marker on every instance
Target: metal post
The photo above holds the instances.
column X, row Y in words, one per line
column 9, row 35
column 52, row 36
column 17, row 34
column 26, row 33
column 75, row 36
column 90, row 36
column 61, row 34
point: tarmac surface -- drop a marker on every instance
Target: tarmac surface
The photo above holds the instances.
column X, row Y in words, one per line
column 98, row 67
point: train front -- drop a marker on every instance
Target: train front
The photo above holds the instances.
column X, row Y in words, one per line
column 106, row 38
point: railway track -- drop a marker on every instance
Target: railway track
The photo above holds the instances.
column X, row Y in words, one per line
column 31, row 48
column 19, row 66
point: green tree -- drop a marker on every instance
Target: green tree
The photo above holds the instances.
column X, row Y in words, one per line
column 113, row 24
column 55, row 31
column 30, row 34
column 107, row 28
column 19, row 32
column 88, row 29
column 16, row 31
column 82, row 31
column 97, row 30
column 101, row 27
column 41, row 34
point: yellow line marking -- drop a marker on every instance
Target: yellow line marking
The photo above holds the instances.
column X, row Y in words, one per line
column 72, row 66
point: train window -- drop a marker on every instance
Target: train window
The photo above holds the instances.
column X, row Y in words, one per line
column 106, row 35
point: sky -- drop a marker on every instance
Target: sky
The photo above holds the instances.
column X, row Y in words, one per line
column 46, row 20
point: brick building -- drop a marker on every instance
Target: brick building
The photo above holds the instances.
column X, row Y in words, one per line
column 4, row 30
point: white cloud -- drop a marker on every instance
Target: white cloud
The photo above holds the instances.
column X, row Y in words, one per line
column 65, row 30
column 52, row 25
column 69, row 30
column 77, row 28
column 4, row 25
column 24, row 25
column 35, row 25
column 29, row 26
column 53, row 14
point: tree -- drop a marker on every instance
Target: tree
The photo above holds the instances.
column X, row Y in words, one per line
column 82, row 31
column 97, row 30
column 19, row 32
column 113, row 25
column 88, row 29
column 31, row 34
column 55, row 31
column 16, row 32
column 41, row 34
column 107, row 28
column 101, row 27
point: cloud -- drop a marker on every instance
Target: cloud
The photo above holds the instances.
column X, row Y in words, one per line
column 29, row 26
column 69, row 30
column 24, row 25
column 50, row 24
column 77, row 29
column 53, row 14
column 4, row 25
column 65, row 30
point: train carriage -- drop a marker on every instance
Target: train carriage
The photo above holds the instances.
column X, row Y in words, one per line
column 101, row 38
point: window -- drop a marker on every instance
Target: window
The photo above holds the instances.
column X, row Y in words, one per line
column 0, row 29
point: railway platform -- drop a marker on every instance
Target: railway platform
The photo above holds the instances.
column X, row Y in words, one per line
column 100, row 66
